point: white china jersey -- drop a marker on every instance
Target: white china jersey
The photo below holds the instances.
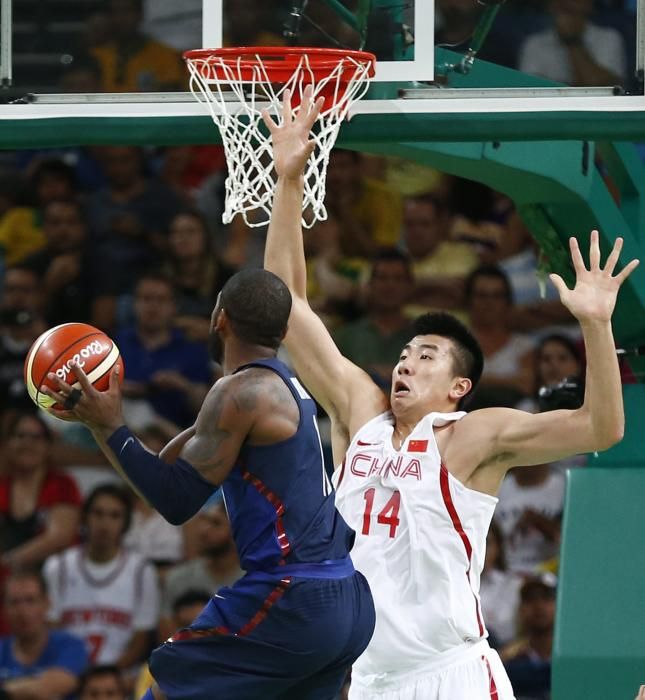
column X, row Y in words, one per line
column 104, row 604
column 420, row 542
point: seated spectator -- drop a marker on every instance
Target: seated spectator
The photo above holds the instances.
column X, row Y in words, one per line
column 557, row 358
column 198, row 274
column 81, row 76
column 575, row 51
column 516, row 257
column 39, row 507
column 508, row 357
column 20, row 229
column 440, row 266
column 65, row 267
column 499, row 591
column 128, row 220
column 528, row 660
column 20, row 325
column 133, row 62
column 102, row 683
column 375, row 341
column 34, row 661
column 170, row 372
column 184, row 611
column 370, row 214
column 216, row 566
column 529, row 515
column 102, row 592
column 332, row 279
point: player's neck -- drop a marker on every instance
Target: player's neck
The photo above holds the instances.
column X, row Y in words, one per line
column 237, row 354
column 27, row 650
column 101, row 554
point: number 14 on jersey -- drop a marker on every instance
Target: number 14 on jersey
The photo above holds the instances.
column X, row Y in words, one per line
column 388, row 515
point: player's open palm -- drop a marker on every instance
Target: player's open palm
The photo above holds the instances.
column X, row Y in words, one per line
column 594, row 296
column 290, row 137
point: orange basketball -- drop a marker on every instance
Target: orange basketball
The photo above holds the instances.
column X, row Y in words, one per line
column 56, row 348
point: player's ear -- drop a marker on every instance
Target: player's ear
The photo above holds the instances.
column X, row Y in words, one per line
column 460, row 387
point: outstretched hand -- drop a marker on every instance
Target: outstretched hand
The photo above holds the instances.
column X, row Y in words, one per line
column 291, row 143
column 99, row 410
column 594, row 296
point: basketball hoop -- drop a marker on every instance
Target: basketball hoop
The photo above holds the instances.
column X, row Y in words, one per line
column 238, row 83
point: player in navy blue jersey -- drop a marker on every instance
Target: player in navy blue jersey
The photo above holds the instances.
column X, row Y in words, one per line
column 293, row 625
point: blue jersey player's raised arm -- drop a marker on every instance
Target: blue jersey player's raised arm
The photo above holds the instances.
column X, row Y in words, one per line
column 293, row 625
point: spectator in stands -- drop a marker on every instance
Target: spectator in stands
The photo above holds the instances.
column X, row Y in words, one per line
column 128, row 219
column 20, row 229
column 375, row 341
column 65, row 266
column 516, row 257
column 20, row 325
column 133, row 62
column 197, row 272
column 575, row 51
column 508, row 357
column 528, row 660
column 332, row 279
column 370, row 213
column 184, row 611
column 529, row 515
column 102, row 683
column 101, row 591
column 39, row 506
column 164, row 368
column 34, row 661
column 216, row 566
column 499, row 591
column 81, row 76
column 440, row 266
column 557, row 357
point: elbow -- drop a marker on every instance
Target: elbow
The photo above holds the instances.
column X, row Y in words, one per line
column 610, row 438
column 175, row 517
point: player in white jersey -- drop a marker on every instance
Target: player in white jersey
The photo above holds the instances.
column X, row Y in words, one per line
column 419, row 477
column 101, row 591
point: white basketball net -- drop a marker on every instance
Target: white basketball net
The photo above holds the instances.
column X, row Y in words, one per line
column 247, row 144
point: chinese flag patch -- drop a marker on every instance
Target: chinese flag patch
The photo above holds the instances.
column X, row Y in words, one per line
column 417, row 446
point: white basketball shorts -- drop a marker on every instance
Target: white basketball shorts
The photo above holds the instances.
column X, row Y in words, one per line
column 477, row 674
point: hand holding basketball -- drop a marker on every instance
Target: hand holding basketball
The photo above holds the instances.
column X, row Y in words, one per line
column 291, row 144
column 99, row 410
column 594, row 296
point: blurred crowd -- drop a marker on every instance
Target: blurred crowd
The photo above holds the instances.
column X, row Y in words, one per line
column 130, row 239
column 136, row 45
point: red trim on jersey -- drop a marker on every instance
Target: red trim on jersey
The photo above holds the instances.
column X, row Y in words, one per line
column 246, row 629
column 264, row 490
column 183, row 635
column 342, row 473
column 270, row 601
column 444, row 482
column 418, row 446
column 492, row 686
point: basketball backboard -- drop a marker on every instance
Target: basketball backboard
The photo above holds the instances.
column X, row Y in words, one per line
column 400, row 34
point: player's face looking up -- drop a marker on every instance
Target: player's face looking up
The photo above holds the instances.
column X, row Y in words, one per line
column 424, row 379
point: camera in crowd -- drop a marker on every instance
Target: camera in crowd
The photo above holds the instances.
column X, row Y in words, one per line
column 567, row 394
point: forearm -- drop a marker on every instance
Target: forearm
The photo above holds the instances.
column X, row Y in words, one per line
column 135, row 650
column 284, row 254
column 176, row 490
column 40, row 688
column 36, row 550
column 603, row 401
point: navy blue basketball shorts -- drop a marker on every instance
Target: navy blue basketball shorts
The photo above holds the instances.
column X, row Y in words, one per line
column 269, row 638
